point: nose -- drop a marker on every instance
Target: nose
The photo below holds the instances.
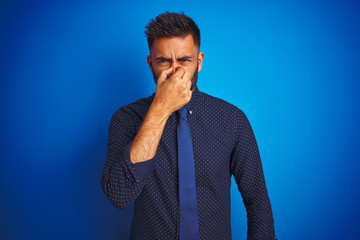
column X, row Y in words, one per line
column 175, row 65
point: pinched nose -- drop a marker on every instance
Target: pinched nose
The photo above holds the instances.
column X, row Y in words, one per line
column 174, row 66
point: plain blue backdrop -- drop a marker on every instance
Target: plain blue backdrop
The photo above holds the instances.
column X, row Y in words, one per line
column 66, row 67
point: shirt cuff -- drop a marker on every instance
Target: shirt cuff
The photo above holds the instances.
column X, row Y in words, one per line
column 141, row 170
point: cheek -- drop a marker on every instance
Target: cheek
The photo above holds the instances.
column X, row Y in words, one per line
column 190, row 67
column 157, row 69
column 161, row 66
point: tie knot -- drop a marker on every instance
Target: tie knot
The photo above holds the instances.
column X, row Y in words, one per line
column 183, row 112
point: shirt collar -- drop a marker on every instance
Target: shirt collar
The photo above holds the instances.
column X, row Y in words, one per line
column 194, row 100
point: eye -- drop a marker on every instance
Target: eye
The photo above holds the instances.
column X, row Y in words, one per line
column 184, row 60
column 163, row 60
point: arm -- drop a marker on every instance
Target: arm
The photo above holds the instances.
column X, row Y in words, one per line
column 171, row 94
column 130, row 159
column 122, row 181
column 248, row 173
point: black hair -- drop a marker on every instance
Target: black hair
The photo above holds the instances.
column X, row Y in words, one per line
column 167, row 25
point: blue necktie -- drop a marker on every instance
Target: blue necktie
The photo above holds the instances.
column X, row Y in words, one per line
column 189, row 220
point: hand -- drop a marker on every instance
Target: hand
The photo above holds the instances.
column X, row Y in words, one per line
column 173, row 93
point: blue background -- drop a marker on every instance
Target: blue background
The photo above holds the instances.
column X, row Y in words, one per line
column 65, row 68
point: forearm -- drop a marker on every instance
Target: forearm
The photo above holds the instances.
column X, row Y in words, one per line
column 260, row 219
column 146, row 142
column 121, row 180
column 118, row 184
column 248, row 172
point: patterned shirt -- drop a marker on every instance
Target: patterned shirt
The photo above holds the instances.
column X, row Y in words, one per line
column 223, row 144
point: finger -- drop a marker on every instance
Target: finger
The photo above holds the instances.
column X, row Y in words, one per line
column 164, row 74
column 190, row 92
column 188, row 85
column 179, row 73
column 186, row 76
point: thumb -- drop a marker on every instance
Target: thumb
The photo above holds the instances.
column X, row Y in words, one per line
column 163, row 75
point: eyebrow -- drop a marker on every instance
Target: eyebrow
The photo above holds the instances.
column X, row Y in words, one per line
column 184, row 58
column 162, row 58
column 167, row 59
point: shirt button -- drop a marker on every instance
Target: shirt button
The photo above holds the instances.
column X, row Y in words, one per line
column 190, row 112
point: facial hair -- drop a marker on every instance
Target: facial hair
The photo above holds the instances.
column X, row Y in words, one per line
column 193, row 80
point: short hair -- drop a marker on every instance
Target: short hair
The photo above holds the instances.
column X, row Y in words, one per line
column 167, row 25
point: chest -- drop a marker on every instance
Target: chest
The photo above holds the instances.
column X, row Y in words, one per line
column 212, row 146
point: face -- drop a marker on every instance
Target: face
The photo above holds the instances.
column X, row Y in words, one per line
column 175, row 52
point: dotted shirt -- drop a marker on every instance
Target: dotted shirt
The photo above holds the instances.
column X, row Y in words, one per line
column 224, row 145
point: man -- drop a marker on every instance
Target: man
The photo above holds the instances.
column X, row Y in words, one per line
column 146, row 149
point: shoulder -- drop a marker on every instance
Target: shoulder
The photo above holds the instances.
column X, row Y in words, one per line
column 221, row 106
column 128, row 118
column 131, row 115
column 138, row 108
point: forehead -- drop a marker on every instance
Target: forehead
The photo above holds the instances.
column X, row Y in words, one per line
column 174, row 46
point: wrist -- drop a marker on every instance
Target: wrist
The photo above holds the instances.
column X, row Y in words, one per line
column 158, row 110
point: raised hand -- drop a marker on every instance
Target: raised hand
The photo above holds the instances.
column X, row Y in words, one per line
column 173, row 91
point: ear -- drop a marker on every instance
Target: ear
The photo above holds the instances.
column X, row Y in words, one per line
column 149, row 63
column 200, row 60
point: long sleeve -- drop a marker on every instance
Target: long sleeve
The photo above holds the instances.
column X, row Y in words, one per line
column 122, row 181
column 248, row 173
column 223, row 145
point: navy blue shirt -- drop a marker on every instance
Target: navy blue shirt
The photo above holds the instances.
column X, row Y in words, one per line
column 223, row 144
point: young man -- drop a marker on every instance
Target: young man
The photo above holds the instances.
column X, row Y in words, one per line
column 174, row 153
